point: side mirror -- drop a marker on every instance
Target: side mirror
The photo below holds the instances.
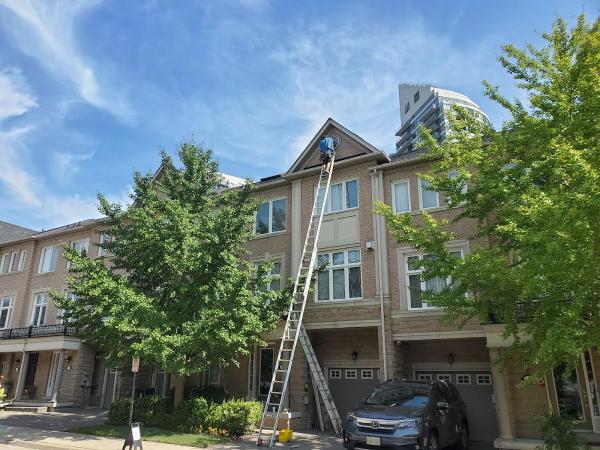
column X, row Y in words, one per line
column 442, row 406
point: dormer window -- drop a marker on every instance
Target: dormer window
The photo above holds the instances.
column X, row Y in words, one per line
column 416, row 97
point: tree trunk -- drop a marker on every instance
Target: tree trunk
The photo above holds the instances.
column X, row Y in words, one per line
column 178, row 382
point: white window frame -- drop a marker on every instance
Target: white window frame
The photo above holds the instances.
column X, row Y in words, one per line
column 444, row 377
column 54, row 248
column 350, row 374
column 346, row 266
column 43, row 305
column 367, row 374
column 345, row 207
column 212, row 371
column 454, row 174
column 71, row 297
column 466, row 375
column 3, row 263
column 13, row 265
column 479, row 377
column 22, row 259
column 274, row 260
column 335, row 374
column 408, row 272
column 80, row 242
column 407, row 182
column 270, row 231
column 104, row 237
column 9, row 308
column 424, row 377
column 437, row 196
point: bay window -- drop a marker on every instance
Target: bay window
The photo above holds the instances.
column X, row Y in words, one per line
column 341, row 277
column 6, row 307
column 270, row 217
column 342, row 196
column 415, row 285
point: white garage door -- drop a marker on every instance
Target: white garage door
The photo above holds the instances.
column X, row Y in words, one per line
column 476, row 390
column 348, row 385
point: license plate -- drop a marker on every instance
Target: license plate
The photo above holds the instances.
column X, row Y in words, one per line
column 372, row 440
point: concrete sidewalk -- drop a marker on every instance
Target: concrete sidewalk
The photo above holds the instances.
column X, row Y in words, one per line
column 35, row 438
column 12, row 437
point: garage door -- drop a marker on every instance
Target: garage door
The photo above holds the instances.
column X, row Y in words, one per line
column 348, row 385
column 476, row 390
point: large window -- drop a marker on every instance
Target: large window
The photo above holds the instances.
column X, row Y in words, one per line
column 415, row 285
column 104, row 238
column 48, row 260
column 71, row 296
column 82, row 247
column 342, row 196
column 6, row 307
column 274, row 284
column 341, row 278
column 4, row 263
column 40, row 305
column 22, row 258
column 270, row 217
column 427, row 196
column 401, row 196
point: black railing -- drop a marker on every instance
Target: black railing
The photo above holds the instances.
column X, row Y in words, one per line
column 31, row 331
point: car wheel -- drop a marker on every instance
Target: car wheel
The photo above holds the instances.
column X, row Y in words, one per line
column 433, row 442
column 462, row 443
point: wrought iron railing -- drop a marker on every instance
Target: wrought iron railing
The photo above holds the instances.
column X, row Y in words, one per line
column 31, row 331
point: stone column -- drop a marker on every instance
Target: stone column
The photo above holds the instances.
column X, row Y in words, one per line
column 22, row 375
column 59, row 374
column 502, row 393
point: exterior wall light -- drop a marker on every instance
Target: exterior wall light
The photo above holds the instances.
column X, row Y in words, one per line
column 354, row 355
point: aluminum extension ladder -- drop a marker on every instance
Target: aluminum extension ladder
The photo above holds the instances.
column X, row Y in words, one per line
column 294, row 330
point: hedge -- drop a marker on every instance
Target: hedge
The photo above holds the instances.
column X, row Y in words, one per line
column 197, row 415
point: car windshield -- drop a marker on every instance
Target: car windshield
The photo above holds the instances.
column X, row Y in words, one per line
column 399, row 395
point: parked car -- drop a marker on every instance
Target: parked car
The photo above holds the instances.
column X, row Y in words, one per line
column 409, row 415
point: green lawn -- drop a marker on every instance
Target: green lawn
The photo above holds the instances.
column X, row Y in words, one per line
column 153, row 434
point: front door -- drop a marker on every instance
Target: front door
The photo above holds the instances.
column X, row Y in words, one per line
column 572, row 395
column 31, row 369
column 52, row 374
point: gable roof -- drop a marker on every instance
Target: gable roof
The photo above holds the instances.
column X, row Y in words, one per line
column 309, row 156
column 10, row 232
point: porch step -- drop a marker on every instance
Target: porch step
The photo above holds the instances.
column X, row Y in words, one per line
column 34, row 409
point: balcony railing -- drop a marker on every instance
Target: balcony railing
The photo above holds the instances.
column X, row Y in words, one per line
column 31, row 331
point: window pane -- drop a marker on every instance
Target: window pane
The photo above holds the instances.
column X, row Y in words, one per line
column 43, row 315
column 54, row 256
column 275, row 270
column 279, row 208
column 36, row 314
column 322, row 259
column 354, row 282
column 4, row 318
column 336, row 197
column 339, row 284
column 323, row 285
column 338, row 258
column 401, row 197
column 262, row 219
column 414, row 286
column 266, row 371
column 429, row 198
column 320, row 201
column 412, row 262
column 353, row 256
column 352, row 194
column 435, row 285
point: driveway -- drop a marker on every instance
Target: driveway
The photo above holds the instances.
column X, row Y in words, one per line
column 61, row 420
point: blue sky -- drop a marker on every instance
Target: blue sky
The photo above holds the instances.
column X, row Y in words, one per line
column 92, row 90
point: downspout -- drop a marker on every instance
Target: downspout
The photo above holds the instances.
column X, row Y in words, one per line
column 378, row 241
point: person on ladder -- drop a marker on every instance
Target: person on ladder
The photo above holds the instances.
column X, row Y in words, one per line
column 327, row 146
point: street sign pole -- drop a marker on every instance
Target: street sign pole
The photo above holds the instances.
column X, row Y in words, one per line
column 134, row 437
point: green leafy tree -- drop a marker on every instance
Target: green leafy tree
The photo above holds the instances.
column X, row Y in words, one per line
column 176, row 291
column 533, row 193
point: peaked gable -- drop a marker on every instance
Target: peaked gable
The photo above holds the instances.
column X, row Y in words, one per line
column 351, row 146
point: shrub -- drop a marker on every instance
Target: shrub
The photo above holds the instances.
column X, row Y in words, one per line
column 214, row 394
column 2, row 394
column 559, row 434
column 150, row 411
column 235, row 417
column 193, row 415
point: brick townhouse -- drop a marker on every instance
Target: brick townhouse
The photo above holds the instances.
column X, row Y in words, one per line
column 366, row 320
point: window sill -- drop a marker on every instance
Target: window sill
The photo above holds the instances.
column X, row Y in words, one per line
column 419, row 312
column 268, row 235
column 44, row 274
column 342, row 211
column 342, row 303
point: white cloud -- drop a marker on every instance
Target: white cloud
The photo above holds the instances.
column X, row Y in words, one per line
column 16, row 97
column 66, row 163
column 46, row 31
